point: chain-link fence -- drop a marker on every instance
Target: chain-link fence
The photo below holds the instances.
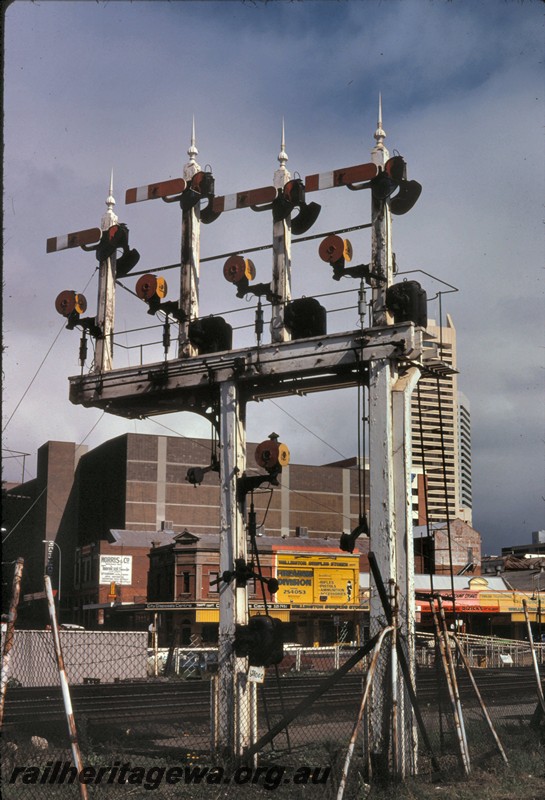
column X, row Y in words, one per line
column 145, row 716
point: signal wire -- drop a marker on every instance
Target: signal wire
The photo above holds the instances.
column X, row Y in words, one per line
column 42, row 363
column 307, row 429
column 46, row 486
column 252, row 533
column 34, row 377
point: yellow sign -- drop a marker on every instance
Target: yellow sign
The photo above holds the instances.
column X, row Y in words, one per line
column 318, row 579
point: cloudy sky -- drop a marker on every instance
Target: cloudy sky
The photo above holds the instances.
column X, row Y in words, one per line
column 91, row 86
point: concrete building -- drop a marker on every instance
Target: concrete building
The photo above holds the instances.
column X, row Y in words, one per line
column 464, row 459
column 441, row 434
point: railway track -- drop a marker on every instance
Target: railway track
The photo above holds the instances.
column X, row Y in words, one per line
column 176, row 700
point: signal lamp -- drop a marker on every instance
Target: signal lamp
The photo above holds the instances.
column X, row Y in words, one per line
column 337, row 252
column 394, row 176
column 116, row 238
column 69, row 303
column 204, row 183
column 409, row 192
column 200, row 186
column 152, row 289
column 126, row 262
column 210, row 335
column 348, row 540
column 240, row 271
column 262, row 641
column 291, row 196
column 272, row 454
column 305, row 317
column 72, row 305
column 407, row 302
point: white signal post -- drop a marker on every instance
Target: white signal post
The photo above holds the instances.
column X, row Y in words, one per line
column 106, row 294
column 281, row 272
column 190, row 258
column 390, row 506
column 233, row 724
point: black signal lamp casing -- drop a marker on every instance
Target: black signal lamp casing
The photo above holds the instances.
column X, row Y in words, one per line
column 305, row 317
column 210, row 335
column 114, row 238
column 204, row 183
column 262, row 641
column 291, row 196
column 126, row 262
column 407, row 302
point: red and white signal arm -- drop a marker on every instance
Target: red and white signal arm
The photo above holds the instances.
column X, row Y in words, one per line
column 153, row 191
column 77, row 239
column 247, row 199
column 341, row 177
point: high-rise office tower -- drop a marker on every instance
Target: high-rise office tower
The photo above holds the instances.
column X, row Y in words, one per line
column 440, row 422
column 464, row 458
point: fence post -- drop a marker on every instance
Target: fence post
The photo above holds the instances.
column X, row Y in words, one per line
column 8, row 639
column 541, row 698
column 450, row 675
column 72, row 730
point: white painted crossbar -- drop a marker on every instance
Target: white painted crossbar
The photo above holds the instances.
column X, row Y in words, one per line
column 155, row 190
column 77, row 239
column 340, row 177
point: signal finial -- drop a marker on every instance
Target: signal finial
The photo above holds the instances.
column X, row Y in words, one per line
column 282, row 175
column 110, row 217
column 379, row 153
column 191, row 168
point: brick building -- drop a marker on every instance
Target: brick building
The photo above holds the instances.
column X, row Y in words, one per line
column 318, row 595
column 125, row 509
column 130, row 494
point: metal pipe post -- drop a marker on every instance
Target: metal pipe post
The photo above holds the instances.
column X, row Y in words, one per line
column 486, row 715
column 365, row 696
column 540, row 695
column 450, row 676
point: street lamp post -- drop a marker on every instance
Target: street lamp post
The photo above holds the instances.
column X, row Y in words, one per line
column 50, row 542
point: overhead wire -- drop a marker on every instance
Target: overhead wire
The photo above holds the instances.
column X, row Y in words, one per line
column 306, row 428
column 42, row 363
column 44, row 490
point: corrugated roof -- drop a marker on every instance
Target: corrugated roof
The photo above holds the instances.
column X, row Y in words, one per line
column 140, row 538
column 422, row 583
